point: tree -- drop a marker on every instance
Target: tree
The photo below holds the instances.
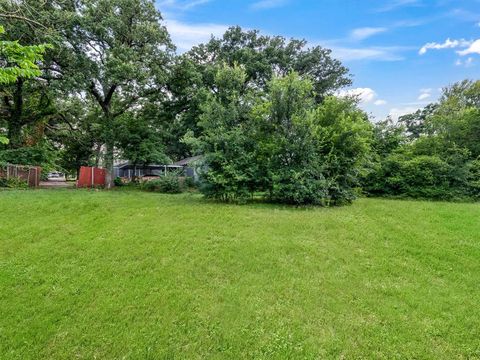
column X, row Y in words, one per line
column 121, row 54
column 434, row 152
column 266, row 56
column 311, row 153
column 416, row 124
column 18, row 62
column 457, row 118
column 225, row 141
column 139, row 141
column 280, row 142
column 261, row 57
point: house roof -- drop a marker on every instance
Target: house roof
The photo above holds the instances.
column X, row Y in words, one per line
column 128, row 165
column 178, row 164
column 187, row 161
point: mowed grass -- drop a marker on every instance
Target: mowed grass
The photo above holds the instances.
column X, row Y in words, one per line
column 131, row 275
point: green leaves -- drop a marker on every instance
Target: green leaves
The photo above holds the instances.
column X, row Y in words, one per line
column 312, row 153
column 19, row 61
column 3, row 140
column 280, row 142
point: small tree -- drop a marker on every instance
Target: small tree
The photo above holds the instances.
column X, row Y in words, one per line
column 311, row 154
column 280, row 142
column 226, row 143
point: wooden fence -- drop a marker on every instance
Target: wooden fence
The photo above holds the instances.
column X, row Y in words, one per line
column 30, row 174
column 91, row 177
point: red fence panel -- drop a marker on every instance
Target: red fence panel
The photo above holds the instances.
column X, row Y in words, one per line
column 91, row 177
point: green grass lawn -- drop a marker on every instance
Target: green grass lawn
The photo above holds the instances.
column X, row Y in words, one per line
column 131, row 275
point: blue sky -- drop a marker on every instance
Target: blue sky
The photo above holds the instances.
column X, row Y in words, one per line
column 400, row 52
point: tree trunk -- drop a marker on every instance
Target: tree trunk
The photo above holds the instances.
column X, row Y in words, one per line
column 15, row 121
column 109, row 145
column 14, row 134
column 109, row 132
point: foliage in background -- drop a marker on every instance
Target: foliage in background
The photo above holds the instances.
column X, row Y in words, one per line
column 121, row 51
column 432, row 153
column 139, row 141
column 40, row 155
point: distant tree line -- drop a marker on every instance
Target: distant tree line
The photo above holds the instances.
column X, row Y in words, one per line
column 103, row 81
column 432, row 153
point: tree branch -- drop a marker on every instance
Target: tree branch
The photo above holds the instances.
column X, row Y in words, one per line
column 22, row 18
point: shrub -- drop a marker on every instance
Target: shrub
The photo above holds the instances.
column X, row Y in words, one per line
column 474, row 178
column 169, row 184
column 13, row 183
column 118, row 181
column 419, row 176
column 190, row 183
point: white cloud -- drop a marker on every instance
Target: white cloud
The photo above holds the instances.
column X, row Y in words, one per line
column 182, row 5
column 473, row 48
column 448, row 44
column 268, row 4
column 467, row 63
column 395, row 113
column 364, row 95
column 367, row 53
column 394, row 4
column 425, row 94
column 366, row 32
column 184, row 35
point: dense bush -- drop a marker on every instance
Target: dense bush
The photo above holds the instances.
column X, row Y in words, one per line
column 190, row 182
column 424, row 176
column 170, row 184
column 226, row 141
column 281, row 143
column 313, row 153
column 473, row 179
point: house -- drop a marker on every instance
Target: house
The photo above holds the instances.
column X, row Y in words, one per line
column 185, row 167
column 190, row 166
